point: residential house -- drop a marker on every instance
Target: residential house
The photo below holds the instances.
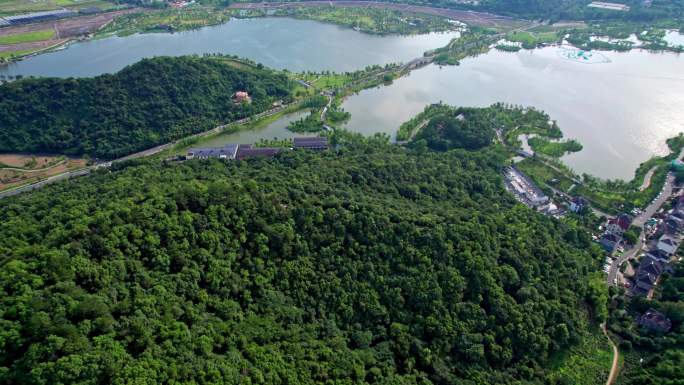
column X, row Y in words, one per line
column 667, row 244
column 610, row 242
column 577, row 204
column 647, row 276
column 679, row 203
column 658, row 255
column 619, row 224
column 673, row 224
column 655, row 320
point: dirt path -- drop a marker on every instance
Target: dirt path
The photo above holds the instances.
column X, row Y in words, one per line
column 614, row 369
column 33, row 170
column 647, row 178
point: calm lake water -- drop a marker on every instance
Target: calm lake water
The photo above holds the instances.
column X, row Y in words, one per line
column 298, row 45
column 621, row 111
column 621, row 108
column 273, row 130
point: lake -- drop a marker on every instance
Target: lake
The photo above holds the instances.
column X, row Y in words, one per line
column 273, row 130
column 298, row 45
column 621, row 108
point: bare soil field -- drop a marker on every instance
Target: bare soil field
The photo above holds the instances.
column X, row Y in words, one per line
column 44, row 167
column 468, row 17
column 65, row 29
column 70, row 26
column 31, row 162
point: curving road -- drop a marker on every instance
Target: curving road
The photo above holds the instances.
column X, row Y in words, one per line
column 616, row 357
column 639, row 221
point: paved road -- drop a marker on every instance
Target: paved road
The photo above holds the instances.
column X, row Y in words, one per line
column 639, row 221
column 144, row 153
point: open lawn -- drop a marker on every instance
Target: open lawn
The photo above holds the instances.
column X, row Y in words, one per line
column 532, row 39
column 14, row 54
column 28, row 37
column 588, row 363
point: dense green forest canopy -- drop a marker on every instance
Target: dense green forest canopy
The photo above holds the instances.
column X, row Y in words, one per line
column 151, row 102
column 369, row 264
column 464, row 127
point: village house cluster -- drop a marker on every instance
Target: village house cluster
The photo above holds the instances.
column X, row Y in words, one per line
column 664, row 233
column 612, row 237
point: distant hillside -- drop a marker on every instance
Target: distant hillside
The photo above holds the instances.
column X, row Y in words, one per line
column 148, row 103
column 371, row 265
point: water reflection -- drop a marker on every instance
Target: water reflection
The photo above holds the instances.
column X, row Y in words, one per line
column 622, row 111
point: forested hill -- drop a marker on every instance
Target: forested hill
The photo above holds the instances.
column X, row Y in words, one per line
column 374, row 264
column 148, row 103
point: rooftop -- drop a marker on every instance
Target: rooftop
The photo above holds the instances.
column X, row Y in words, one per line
column 315, row 141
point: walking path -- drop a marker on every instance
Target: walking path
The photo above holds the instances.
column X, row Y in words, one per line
column 32, row 170
column 614, row 369
column 647, row 178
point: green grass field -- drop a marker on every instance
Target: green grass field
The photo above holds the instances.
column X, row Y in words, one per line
column 28, row 37
column 14, row 7
column 14, row 54
column 532, row 39
column 585, row 364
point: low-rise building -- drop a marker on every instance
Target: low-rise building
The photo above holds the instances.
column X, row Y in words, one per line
column 647, row 275
column 619, row 224
column 241, row 97
column 316, row 143
column 667, row 244
column 655, row 320
column 577, row 204
column 38, row 16
column 247, row 151
column 227, row 152
column 610, row 242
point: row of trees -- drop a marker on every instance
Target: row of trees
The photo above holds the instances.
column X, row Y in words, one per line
column 370, row 264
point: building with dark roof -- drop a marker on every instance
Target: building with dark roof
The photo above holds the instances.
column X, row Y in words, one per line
column 658, row 255
column 610, row 241
column 578, row 204
column 647, row 275
column 655, row 320
column 317, row 143
column 619, row 224
column 668, row 244
column 247, row 151
column 229, row 152
column 89, row 10
column 39, row 16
